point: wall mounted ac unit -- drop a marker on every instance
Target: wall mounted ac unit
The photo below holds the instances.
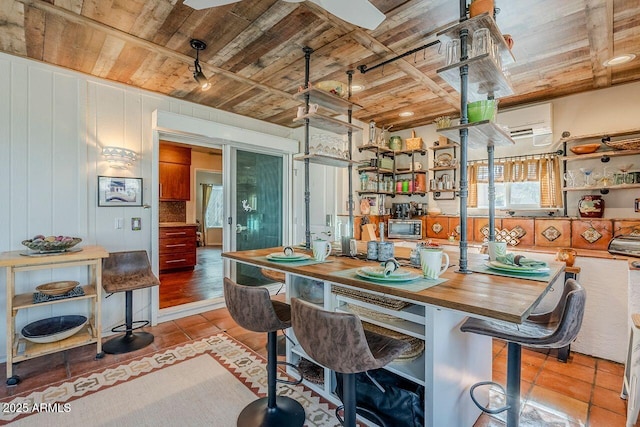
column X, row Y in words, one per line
column 534, row 123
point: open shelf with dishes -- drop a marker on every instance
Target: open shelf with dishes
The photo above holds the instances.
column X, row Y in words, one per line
column 444, row 171
column 393, row 177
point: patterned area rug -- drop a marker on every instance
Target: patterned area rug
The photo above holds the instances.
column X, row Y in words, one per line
column 206, row 382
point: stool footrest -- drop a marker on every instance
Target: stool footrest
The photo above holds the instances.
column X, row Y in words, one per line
column 366, row 413
column 123, row 328
column 294, row 367
column 491, row 411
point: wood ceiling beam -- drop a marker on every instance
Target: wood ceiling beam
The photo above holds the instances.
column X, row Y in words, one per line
column 599, row 14
column 208, row 68
column 369, row 42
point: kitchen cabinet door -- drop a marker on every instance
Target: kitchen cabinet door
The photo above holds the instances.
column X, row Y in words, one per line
column 175, row 181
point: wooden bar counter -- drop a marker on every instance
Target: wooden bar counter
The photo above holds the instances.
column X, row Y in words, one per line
column 452, row 361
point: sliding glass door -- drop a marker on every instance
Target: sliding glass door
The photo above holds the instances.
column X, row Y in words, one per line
column 257, row 208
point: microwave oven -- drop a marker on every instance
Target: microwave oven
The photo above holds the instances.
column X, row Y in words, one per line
column 405, row 229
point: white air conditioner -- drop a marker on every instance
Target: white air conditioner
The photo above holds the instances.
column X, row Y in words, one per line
column 534, row 123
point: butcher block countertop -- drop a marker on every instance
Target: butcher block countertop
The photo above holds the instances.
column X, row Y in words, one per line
column 504, row 298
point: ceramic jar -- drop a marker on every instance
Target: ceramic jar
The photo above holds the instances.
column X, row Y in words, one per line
column 478, row 7
column 395, row 143
column 566, row 255
column 591, row 206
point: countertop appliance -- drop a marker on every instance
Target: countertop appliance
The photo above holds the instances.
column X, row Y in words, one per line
column 626, row 244
column 405, row 229
column 400, row 210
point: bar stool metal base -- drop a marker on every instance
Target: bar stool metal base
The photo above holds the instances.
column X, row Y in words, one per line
column 287, row 413
column 127, row 343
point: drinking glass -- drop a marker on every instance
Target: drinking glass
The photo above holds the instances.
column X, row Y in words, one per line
column 625, row 172
column 481, row 42
column 453, row 51
column 587, row 176
column 570, row 178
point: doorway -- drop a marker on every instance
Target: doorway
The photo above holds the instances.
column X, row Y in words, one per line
column 202, row 281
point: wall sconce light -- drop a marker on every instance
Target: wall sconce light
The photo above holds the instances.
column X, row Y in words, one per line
column 198, row 75
column 119, row 158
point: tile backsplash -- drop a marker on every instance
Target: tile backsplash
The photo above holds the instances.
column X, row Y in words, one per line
column 173, row 212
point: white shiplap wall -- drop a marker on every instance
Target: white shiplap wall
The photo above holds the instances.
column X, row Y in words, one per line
column 53, row 124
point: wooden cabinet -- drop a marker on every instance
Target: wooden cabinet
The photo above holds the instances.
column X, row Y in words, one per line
column 177, row 247
column 18, row 348
column 175, row 172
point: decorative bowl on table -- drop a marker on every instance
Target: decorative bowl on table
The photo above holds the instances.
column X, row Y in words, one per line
column 53, row 329
column 42, row 244
column 57, row 288
column 585, row 148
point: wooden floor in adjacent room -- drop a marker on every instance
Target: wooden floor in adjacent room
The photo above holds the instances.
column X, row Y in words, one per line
column 201, row 283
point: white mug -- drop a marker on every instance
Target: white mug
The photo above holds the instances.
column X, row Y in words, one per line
column 321, row 250
column 301, row 112
column 313, row 108
column 496, row 249
column 431, row 262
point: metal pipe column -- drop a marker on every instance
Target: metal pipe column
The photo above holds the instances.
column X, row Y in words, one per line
column 464, row 135
column 492, row 192
column 350, row 148
column 307, row 195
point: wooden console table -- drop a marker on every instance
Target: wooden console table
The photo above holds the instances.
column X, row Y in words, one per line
column 19, row 349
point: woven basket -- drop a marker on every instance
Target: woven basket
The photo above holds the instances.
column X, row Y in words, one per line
column 626, row 144
column 414, row 143
column 390, row 303
column 311, row 372
column 417, row 345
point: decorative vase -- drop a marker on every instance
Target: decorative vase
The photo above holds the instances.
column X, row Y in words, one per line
column 566, row 255
column 591, row 206
column 478, row 7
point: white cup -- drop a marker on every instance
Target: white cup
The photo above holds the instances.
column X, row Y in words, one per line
column 301, row 112
column 313, row 108
column 496, row 249
column 321, row 250
column 431, row 262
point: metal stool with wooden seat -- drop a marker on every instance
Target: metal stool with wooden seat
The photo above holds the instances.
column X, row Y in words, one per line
column 252, row 308
column 555, row 334
column 126, row 272
column 339, row 342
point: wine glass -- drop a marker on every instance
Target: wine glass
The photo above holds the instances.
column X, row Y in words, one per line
column 587, row 176
column 625, row 171
column 597, row 177
column 570, row 178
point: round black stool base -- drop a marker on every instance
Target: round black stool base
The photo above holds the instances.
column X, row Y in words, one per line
column 127, row 343
column 287, row 413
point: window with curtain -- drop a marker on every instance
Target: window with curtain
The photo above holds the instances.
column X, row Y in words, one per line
column 520, row 183
column 214, row 212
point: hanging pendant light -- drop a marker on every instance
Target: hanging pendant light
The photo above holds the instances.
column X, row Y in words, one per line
column 198, row 75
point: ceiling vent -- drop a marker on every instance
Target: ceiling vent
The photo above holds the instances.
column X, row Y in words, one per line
column 530, row 123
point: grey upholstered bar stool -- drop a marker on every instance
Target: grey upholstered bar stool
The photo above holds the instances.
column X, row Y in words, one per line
column 558, row 333
column 252, row 308
column 126, row 272
column 339, row 342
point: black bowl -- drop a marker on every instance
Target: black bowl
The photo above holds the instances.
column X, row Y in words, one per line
column 53, row 329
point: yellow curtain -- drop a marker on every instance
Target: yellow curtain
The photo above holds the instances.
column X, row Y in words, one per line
column 550, row 184
column 472, row 176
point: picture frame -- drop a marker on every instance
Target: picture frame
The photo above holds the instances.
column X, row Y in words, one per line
column 119, row 191
column 637, row 205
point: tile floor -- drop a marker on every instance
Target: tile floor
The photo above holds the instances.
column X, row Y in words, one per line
column 583, row 392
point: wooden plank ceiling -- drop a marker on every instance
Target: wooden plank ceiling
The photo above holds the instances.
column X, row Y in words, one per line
column 255, row 62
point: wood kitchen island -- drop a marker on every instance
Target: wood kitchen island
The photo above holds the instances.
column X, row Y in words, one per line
column 452, row 361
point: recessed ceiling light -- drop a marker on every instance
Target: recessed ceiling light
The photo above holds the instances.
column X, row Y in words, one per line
column 406, row 114
column 619, row 59
column 357, row 88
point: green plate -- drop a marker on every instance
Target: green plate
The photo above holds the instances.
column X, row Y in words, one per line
column 391, row 279
column 281, row 257
column 378, row 272
column 495, row 265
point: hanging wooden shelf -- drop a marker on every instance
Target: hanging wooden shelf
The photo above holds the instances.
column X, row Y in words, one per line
column 486, row 78
column 326, row 160
column 327, row 123
column 327, row 100
column 481, row 134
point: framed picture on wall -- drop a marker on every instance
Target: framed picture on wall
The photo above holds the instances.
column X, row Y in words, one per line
column 116, row 191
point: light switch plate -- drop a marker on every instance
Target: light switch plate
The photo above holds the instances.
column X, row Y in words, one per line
column 136, row 224
column 119, row 223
